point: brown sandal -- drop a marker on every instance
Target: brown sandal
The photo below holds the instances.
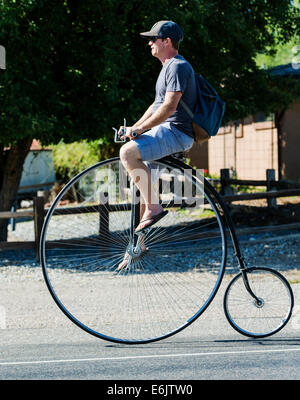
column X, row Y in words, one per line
column 152, row 221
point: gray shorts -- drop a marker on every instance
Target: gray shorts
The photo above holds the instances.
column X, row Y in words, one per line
column 161, row 141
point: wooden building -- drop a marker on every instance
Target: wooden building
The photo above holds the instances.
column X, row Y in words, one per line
column 257, row 143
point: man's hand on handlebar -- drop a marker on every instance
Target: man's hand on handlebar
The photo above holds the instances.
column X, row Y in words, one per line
column 130, row 132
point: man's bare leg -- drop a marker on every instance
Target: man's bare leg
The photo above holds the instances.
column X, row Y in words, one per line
column 141, row 176
column 149, row 204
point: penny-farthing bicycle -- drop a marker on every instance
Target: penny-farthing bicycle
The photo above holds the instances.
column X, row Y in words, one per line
column 172, row 278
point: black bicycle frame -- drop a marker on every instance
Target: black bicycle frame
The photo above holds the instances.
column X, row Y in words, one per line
column 229, row 222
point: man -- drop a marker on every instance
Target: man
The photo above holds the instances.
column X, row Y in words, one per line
column 165, row 128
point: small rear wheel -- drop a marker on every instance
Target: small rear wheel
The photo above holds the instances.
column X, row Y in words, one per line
column 265, row 315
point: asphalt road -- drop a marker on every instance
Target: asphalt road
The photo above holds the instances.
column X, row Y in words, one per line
column 198, row 353
column 38, row 342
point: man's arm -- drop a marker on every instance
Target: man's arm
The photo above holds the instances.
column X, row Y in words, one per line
column 166, row 109
column 147, row 115
column 149, row 119
column 130, row 129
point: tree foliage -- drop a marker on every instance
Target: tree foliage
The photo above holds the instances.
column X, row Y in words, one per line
column 76, row 68
column 280, row 55
column 71, row 158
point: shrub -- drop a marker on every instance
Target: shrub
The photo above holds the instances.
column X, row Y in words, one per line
column 71, row 158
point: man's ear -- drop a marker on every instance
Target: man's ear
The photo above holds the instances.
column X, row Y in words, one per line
column 168, row 41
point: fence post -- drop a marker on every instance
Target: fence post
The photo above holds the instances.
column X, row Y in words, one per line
column 39, row 215
column 225, row 186
column 271, row 178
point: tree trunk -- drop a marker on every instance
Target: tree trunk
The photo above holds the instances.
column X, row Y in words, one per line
column 11, row 168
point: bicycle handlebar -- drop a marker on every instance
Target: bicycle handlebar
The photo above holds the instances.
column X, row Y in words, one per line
column 118, row 136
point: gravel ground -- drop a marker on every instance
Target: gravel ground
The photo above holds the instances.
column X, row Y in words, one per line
column 279, row 250
column 26, row 303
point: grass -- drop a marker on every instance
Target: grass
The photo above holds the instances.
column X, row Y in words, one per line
column 196, row 213
column 293, row 277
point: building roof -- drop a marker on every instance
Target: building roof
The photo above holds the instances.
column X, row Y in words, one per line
column 292, row 69
column 37, row 146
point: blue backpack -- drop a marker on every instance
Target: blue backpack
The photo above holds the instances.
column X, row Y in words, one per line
column 209, row 111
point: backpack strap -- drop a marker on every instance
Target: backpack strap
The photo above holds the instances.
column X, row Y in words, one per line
column 184, row 105
column 187, row 109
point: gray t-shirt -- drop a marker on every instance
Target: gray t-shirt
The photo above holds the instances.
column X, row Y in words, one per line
column 177, row 75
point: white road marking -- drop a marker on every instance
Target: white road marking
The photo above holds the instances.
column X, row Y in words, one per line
column 217, row 353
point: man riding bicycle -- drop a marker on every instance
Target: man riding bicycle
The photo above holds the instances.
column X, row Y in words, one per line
column 165, row 128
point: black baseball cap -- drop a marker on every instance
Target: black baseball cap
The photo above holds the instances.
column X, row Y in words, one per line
column 163, row 30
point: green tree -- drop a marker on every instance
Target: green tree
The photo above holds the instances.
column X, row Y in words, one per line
column 75, row 68
column 281, row 54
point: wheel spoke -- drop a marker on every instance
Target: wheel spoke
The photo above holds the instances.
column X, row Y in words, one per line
column 259, row 320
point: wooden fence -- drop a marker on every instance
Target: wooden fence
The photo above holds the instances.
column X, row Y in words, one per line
column 38, row 214
column 274, row 190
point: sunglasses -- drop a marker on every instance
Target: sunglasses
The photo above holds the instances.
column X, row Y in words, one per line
column 153, row 39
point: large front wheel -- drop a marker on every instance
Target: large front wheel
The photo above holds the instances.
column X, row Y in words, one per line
column 167, row 283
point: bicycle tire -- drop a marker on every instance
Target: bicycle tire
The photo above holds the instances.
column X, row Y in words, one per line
column 269, row 315
column 162, row 291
